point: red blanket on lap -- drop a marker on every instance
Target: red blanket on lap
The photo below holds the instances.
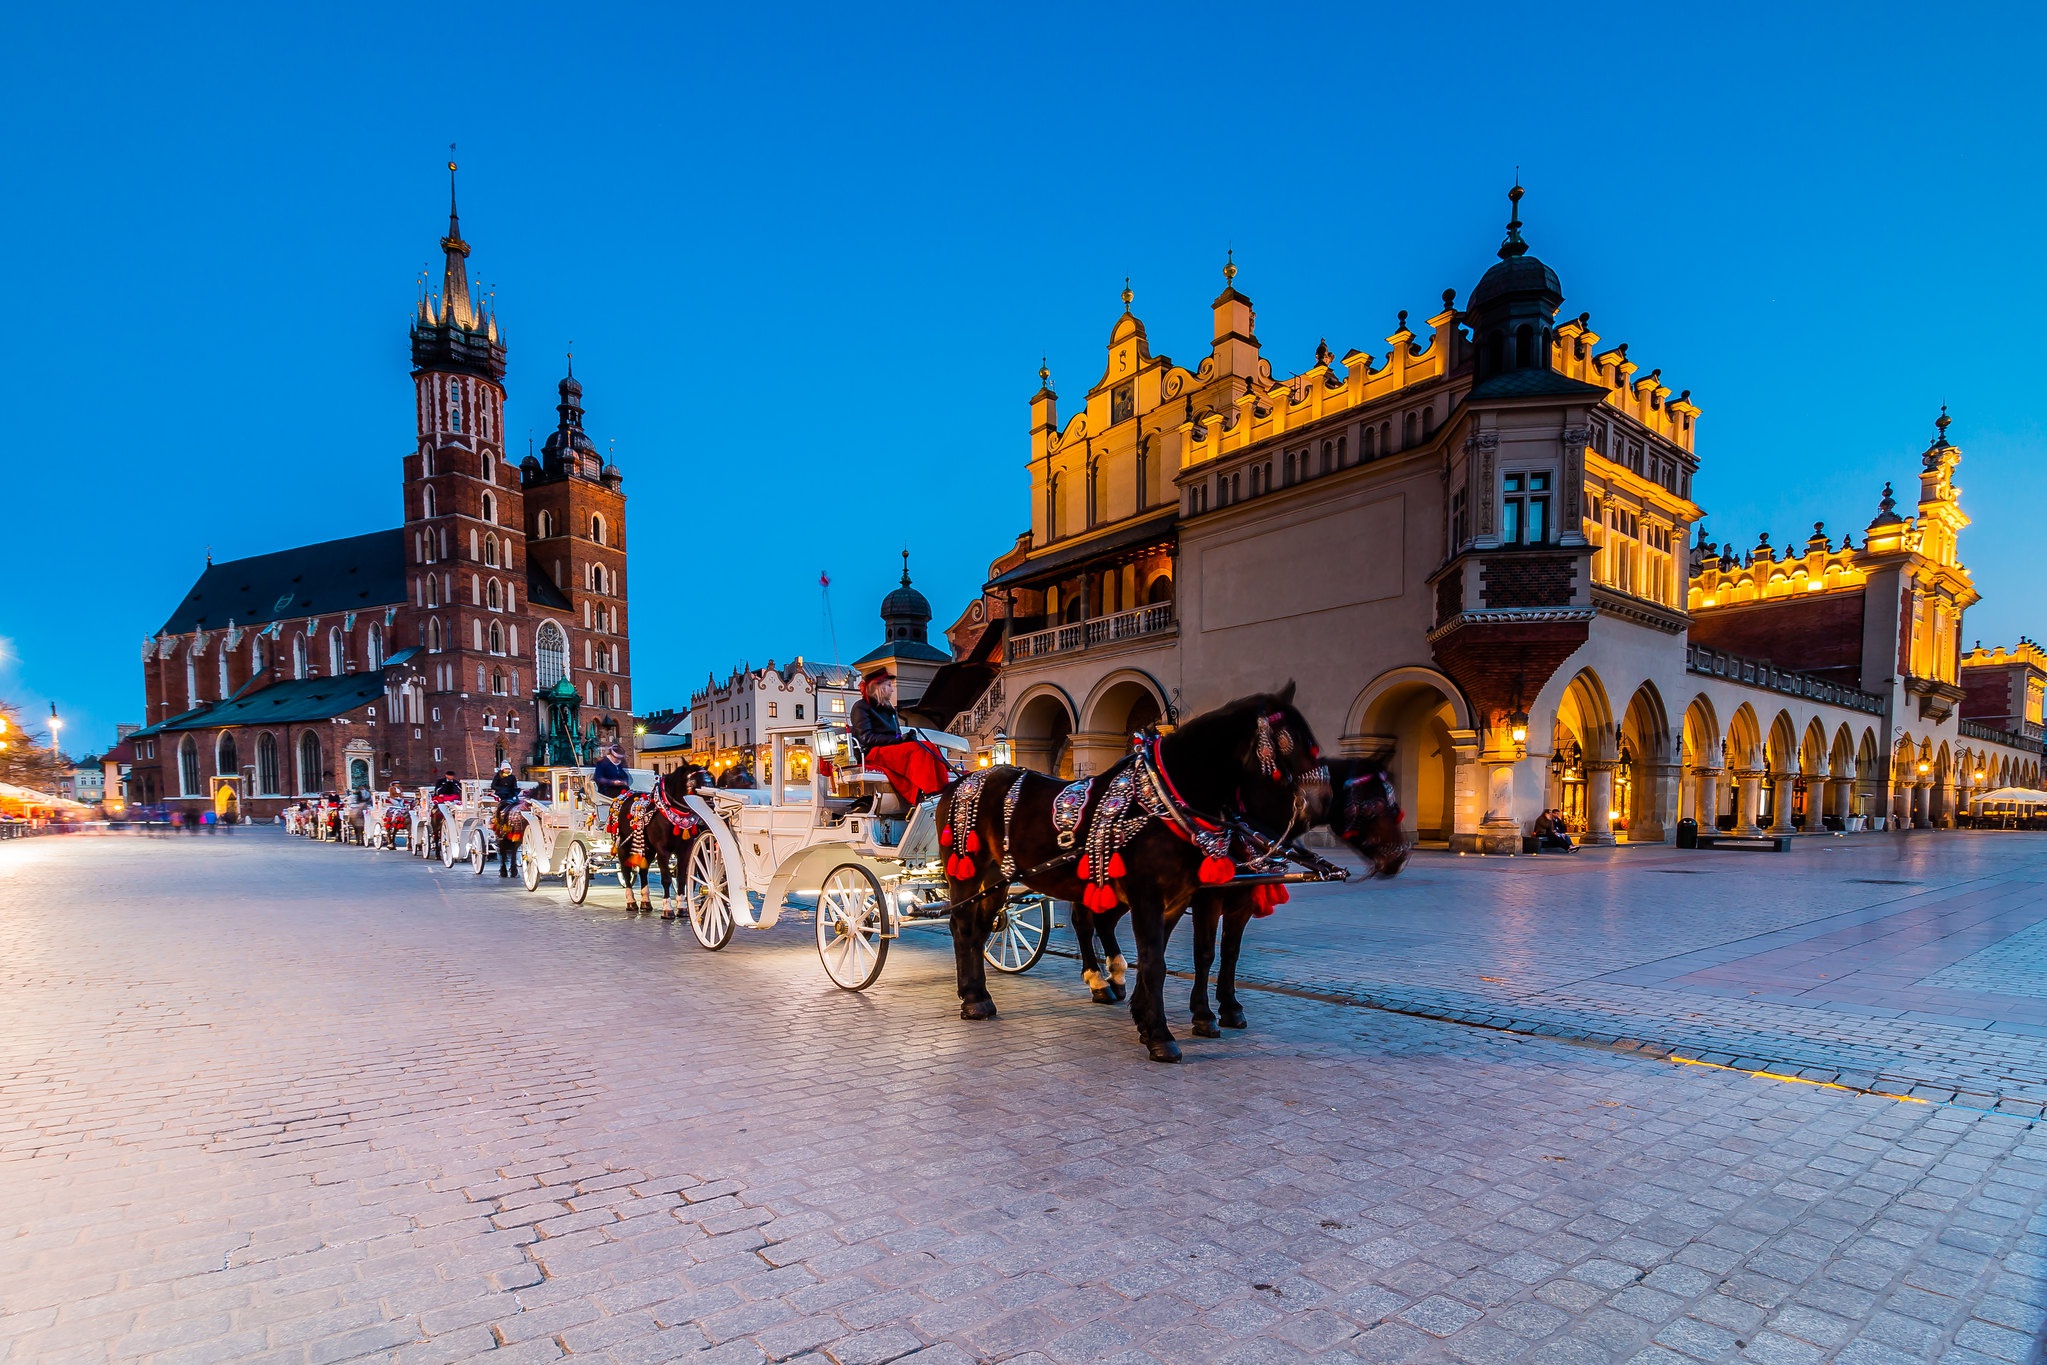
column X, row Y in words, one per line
column 914, row 769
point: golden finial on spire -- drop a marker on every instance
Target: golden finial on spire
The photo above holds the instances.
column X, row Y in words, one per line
column 1230, row 268
column 1044, row 372
column 1127, row 295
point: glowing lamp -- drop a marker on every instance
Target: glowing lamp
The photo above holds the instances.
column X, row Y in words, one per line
column 1612, row 815
column 1979, row 774
column 1924, row 767
column 1004, row 751
column 1517, row 727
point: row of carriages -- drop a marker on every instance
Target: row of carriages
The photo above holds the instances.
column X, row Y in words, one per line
column 839, row 847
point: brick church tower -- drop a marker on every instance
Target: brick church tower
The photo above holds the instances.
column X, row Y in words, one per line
column 575, row 527
column 464, row 530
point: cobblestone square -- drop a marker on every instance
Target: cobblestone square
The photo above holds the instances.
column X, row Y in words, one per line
column 265, row 1099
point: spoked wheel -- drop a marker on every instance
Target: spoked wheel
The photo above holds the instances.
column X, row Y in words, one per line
column 478, row 856
column 447, row 848
column 851, row 929
column 707, row 890
column 576, row 873
column 529, row 867
column 1021, row 931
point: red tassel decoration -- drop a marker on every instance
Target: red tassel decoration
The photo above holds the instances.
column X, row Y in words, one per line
column 1082, row 871
column 1116, row 868
column 945, row 837
column 1268, row 898
column 1216, row 869
column 973, row 841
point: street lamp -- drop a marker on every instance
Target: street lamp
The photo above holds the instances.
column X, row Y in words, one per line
column 1517, row 727
column 55, row 726
column 1005, row 752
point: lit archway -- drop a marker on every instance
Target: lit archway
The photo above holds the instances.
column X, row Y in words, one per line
column 1404, row 718
column 1041, row 729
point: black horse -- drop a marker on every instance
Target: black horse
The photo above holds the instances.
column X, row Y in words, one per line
column 1250, row 754
column 1354, row 797
column 657, row 830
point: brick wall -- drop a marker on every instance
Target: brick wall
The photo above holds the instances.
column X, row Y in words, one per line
column 1820, row 634
column 1988, row 695
column 1528, row 580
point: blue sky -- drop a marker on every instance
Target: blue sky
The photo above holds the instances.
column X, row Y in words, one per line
column 809, row 260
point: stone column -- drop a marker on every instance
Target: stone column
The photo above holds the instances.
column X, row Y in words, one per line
column 1706, row 800
column 1780, row 822
column 1468, row 806
column 1922, row 792
column 1598, row 801
column 1658, row 788
column 1749, row 802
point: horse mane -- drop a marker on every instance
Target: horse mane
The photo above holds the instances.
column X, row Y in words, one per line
column 1227, row 738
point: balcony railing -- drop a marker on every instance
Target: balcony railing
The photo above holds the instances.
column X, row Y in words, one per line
column 1102, row 630
column 1719, row 664
column 1976, row 729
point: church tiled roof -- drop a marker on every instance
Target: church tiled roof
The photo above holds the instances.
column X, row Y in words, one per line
column 355, row 573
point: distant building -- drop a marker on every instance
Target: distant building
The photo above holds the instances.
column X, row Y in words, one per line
column 729, row 721
column 88, row 781
column 664, row 740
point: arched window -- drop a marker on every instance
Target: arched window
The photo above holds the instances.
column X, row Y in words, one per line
column 298, row 656
column 221, row 670
column 497, row 681
column 376, row 647
column 191, row 678
column 497, row 595
column 188, row 767
column 1428, row 421
column 490, row 509
column 597, row 527
column 337, row 653
column 497, row 635
column 543, row 525
column 426, row 502
column 309, row 762
column 603, row 658
column 551, row 652
column 1365, row 451
column 226, row 761
column 490, row 551
column 1407, row 431
column 1385, row 438
column 454, row 405
column 259, row 656
column 433, row 590
column 266, row 764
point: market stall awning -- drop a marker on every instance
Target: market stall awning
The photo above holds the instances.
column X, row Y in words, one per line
column 2013, row 796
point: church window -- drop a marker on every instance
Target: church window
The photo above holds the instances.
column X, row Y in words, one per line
column 426, row 502
column 188, row 767
column 266, row 764
column 337, row 653
column 433, row 590
column 454, row 405
column 259, row 657
column 376, row 647
column 497, row 596
column 497, row 638
column 490, row 551
column 309, row 762
column 221, row 670
column 433, row 636
column 426, row 462
column 551, row 654
column 444, row 542
column 490, row 508
column 226, row 761
column 298, row 656
column 479, row 675
column 543, row 525
column 597, row 528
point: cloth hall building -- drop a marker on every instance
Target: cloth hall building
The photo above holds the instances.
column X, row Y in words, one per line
column 1480, row 555
column 491, row 624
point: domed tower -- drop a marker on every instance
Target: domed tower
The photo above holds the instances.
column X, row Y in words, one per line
column 905, row 649
column 575, row 526
column 1512, row 311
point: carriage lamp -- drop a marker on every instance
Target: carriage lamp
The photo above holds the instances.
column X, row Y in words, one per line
column 1517, row 727
column 1004, row 751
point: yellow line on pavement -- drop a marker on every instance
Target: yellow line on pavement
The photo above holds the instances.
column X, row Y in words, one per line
column 1797, row 1080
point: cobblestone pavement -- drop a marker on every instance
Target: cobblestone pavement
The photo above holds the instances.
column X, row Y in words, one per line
column 262, row 1099
column 1903, row 963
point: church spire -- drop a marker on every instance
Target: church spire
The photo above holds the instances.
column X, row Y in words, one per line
column 458, row 311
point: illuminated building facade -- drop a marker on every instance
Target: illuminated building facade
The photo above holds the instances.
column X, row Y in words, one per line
column 1473, row 552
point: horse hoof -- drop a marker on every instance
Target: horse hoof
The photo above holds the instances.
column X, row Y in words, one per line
column 1116, row 989
column 977, row 1009
column 1101, row 996
column 1205, row 1028
column 1234, row 1018
column 1164, row 1050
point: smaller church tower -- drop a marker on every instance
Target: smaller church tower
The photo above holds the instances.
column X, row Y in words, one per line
column 905, row 650
column 575, row 526
column 464, row 520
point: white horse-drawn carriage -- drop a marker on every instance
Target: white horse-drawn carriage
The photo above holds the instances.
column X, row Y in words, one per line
column 388, row 823
column 565, row 833
column 465, row 833
column 844, row 838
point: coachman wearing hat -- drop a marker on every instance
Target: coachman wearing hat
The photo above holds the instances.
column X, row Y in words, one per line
column 914, row 767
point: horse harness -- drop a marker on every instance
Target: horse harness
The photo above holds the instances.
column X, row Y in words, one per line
column 1366, row 797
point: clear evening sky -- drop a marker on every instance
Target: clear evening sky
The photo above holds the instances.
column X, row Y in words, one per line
column 809, row 260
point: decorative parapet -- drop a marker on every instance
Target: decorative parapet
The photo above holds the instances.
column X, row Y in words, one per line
column 1523, row 616
column 1990, row 734
column 1715, row 663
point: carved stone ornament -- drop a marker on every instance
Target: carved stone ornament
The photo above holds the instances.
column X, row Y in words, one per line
column 1577, row 438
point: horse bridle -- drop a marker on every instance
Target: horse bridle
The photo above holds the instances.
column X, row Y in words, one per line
column 1367, row 797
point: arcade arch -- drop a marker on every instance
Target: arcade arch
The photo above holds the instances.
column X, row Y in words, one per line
column 1414, row 720
column 1041, row 730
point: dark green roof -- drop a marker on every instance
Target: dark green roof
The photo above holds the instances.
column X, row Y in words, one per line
column 904, row 649
column 298, row 700
column 1535, row 384
column 353, row 574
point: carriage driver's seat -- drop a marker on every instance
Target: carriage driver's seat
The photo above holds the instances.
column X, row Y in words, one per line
column 856, row 779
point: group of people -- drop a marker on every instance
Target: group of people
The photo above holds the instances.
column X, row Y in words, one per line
column 1552, row 833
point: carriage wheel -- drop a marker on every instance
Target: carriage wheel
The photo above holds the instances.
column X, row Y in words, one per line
column 479, row 856
column 529, row 867
column 850, row 924
column 1018, row 939
column 707, row 890
column 576, row 873
column 447, row 848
